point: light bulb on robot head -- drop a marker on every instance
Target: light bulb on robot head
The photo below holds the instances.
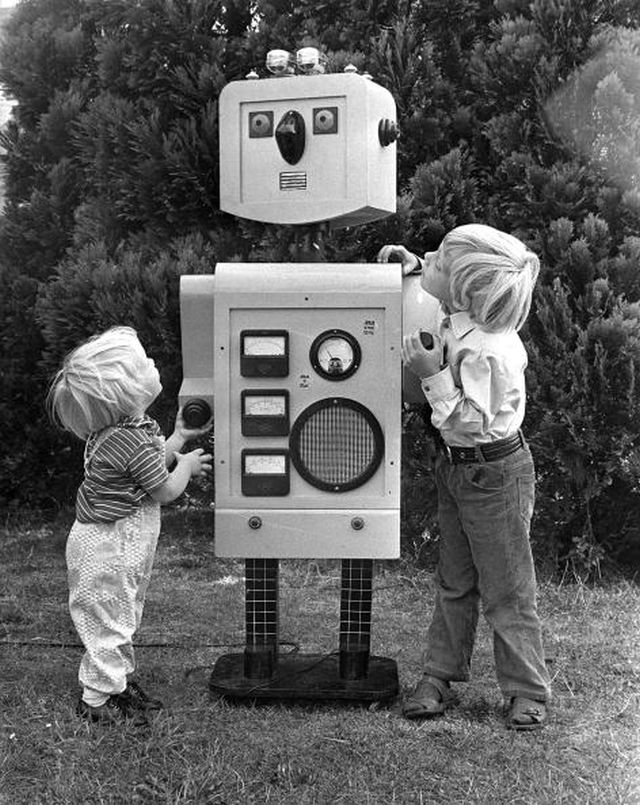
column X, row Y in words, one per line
column 279, row 62
column 310, row 61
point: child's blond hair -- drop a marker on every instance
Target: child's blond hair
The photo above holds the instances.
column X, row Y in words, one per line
column 99, row 383
column 491, row 274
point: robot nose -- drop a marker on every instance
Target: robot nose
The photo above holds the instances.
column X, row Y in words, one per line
column 290, row 136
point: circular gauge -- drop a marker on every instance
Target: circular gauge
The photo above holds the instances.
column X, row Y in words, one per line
column 335, row 355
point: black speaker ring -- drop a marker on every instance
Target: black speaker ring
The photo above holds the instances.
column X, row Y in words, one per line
column 298, row 460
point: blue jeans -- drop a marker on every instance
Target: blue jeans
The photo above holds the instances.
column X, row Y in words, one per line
column 485, row 512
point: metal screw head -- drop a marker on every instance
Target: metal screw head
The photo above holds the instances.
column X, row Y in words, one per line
column 255, row 522
column 357, row 523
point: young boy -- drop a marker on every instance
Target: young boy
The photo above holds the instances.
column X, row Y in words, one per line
column 473, row 379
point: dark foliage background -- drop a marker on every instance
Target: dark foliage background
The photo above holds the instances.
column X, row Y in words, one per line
column 523, row 115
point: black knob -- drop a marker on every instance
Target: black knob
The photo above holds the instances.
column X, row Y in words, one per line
column 426, row 339
column 388, row 131
column 196, row 413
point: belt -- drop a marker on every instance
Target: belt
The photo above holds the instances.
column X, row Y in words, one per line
column 490, row 451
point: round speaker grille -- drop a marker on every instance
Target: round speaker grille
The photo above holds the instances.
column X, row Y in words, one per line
column 336, row 444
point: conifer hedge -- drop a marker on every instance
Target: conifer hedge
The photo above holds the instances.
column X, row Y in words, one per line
column 522, row 115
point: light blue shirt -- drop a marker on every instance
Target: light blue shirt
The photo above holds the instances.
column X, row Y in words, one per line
column 479, row 395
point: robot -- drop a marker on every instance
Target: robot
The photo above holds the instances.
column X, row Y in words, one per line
column 300, row 364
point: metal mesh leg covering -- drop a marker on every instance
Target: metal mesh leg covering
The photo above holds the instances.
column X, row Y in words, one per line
column 355, row 617
column 261, row 614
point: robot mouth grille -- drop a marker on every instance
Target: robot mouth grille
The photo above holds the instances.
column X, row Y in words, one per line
column 293, row 180
column 336, row 444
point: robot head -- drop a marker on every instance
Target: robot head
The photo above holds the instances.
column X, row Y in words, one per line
column 310, row 148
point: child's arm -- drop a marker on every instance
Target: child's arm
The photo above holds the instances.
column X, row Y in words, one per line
column 188, row 466
column 486, row 396
column 180, row 436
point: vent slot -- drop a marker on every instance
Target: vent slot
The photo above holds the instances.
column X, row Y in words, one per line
column 293, row 180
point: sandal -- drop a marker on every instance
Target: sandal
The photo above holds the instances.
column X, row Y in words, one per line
column 526, row 714
column 430, row 697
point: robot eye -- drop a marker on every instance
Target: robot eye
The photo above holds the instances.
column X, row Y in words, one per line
column 260, row 124
column 325, row 120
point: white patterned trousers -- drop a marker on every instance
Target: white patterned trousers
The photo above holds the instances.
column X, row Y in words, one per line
column 109, row 566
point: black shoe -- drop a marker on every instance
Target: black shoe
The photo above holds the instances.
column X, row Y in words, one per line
column 116, row 710
column 137, row 699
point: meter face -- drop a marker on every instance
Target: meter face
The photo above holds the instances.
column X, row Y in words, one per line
column 335, row 355
column 265, row 412
column 265, row 472
column 265, row 464
column 264, row 353
column 265, row 405
column 263, row 345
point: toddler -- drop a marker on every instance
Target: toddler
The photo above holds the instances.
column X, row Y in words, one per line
column 473, row 378
column 101, row 395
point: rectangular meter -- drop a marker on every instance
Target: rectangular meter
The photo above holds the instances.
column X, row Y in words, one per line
column 265, row 412
column 265, row 472
column 264, row 353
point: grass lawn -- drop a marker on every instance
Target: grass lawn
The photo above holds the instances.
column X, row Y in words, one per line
column 207, row 750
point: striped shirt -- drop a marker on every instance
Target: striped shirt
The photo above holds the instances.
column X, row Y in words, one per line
column 122, row 465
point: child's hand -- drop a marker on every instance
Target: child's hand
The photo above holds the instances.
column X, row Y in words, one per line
column 422, row 362
column 398, row 254
column 186, row 433
column 199, row 462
